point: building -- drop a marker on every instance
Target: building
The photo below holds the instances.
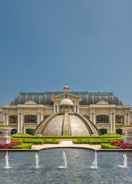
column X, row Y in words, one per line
column 67, row 113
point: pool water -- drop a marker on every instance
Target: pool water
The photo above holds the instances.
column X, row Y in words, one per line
column 78, row 169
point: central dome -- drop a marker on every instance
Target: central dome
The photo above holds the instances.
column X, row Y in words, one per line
column 66, row 102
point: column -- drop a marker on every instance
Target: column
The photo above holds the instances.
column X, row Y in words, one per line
column 41, row 116
column 54, row 108
column 22, row 123
column 94, row 117
column 77, row 108
column 126, row 119
column 111, row 120
column 38, row 118
column 91, row 116
column 19, row 123
column 7, row 121
column 114, row 129
column 58, row 108
column 20, row 126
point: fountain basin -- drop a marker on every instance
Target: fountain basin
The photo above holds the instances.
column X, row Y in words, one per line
column 79, row 161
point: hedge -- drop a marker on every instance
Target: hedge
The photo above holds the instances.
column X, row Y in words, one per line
column 66, row 137
column 108, row 146
column 37, row 141
column 21, row 135
column 94, row 141
column 24, row 146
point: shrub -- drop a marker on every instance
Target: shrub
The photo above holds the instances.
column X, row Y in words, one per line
column 108, row 146
column 33, row 141
column 24, row 146
column 21, row 135
column 51, row 141
column 91, row 140
column 111, row 135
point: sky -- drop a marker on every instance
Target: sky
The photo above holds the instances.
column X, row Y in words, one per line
column 45, row 44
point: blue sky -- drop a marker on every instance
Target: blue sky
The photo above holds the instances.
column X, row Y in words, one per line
column 47, row 43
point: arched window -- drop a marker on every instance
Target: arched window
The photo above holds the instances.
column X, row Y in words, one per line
column 12, row 119
column 119, row 119
column 30, row 119
column 102, row 131
column 119, row 131
column 13, row 131
column 102, row 119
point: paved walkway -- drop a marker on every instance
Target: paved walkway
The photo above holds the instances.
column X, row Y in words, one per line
column 65, row 144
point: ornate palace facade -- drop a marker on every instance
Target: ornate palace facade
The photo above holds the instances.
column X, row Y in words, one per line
column 99, row 111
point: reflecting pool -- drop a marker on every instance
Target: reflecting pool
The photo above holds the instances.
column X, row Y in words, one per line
column 65, row 166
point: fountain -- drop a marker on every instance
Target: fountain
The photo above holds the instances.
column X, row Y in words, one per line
column 7, row 165
column 125, row 165
column 65, row 161
column 37, row 160
column 95, row 162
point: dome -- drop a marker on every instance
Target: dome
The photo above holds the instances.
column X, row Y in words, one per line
column 66, row 102
column 66, row 124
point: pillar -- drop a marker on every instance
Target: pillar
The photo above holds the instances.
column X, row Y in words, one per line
column 75, row 108
column 54, row 108
column 114, row 129
column 6, row 120
column 112, row 122
column 91, row 116
column 20, row 126
column 78, row 108
column 128, row 121
column 126, row 118
column 38, row 118
column 111, row 119
column 94, row 117
column 41, row 116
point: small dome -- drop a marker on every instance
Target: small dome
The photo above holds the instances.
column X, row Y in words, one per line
column 66, row 102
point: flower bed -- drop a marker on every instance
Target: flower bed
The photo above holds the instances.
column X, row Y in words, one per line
column 11, row 145
column 118, row 144
column 122, row 144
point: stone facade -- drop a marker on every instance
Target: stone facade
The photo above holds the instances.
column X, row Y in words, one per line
column 105, row 110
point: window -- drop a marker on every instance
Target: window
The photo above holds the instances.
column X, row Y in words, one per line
column 13, row 119
column 102, row 119
column 119, row 119
column 30, row 119
column 102, row 131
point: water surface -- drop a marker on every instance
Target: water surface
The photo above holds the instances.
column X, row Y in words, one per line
column 78, row 171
